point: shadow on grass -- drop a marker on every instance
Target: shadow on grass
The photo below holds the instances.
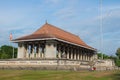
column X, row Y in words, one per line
column 116, row 76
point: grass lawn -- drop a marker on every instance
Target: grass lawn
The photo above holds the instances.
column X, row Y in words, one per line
column 58, row 75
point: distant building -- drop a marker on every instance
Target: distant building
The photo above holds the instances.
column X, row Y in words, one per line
column 52, row 42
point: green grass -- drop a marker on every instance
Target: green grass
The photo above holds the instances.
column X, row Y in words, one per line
column 58, row 75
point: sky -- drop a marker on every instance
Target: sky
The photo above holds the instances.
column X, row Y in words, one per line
column 80, row 17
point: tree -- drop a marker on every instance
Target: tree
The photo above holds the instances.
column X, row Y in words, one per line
column 117, row 60
column 99, row 55
column 118, row 53
column 105, row 56
column 6, row 52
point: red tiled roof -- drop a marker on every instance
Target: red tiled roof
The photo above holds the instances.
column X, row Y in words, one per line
column 50, row 31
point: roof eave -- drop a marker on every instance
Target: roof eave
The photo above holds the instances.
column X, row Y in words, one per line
column 17, row 41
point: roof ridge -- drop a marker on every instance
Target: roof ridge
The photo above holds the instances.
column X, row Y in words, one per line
column 67, row 32
column 63, row 30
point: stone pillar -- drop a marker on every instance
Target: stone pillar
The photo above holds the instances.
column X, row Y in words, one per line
column 75, row 54
column 33, row 51
column 27, row 54
column 67, row 53
column 42, row 53
column 21, row 50
column 51, row 49
column 63, row 52
column 78, row 55
column 86, row 56
column 59, row 52
column 90, row 57
column 36, row 51
column 30, row 52
column 39, row 50
column 83, row 56
column 71, row 53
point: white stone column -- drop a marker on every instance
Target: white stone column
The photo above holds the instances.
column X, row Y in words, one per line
column 42, row 53
column 78, row 55
column 62, row 52
column 27, row 51
column 59, row 52
column 83, row 56
column 88, row 56
column 21, row 50
column 67, row 53
column 30, row 50
column 75, row 54
column 33, row 51
column 51, row 49
column 71, row 53
column 39, row 50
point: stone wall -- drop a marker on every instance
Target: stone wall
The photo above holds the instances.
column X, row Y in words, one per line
column 107, row 64
column 61, row 64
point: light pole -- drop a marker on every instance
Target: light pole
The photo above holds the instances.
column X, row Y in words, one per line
column 101, row 29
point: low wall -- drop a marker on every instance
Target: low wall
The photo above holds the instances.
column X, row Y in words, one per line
column 105, row 63
column 59, row 64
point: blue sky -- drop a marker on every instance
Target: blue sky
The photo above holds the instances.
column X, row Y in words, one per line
column 80, row 17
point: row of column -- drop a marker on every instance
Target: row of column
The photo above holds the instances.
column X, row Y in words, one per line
column 34, row 51
column 74, row 53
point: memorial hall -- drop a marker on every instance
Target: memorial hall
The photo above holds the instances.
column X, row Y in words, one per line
column 51, row 42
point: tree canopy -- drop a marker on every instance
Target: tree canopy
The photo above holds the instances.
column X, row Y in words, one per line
column 6, row 52
column 117, row 60
column 105, row 56
column 118, row 53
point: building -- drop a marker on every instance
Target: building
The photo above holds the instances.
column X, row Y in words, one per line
column 51, row 42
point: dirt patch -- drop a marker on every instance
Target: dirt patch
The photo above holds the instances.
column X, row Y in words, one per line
column 101, row 74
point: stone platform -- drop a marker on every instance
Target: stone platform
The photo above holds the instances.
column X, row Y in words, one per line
column 44, row 64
